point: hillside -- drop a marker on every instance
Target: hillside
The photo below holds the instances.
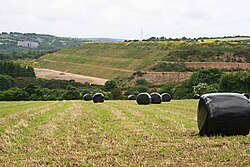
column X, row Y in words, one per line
column 111, row 60
column 115, row 133
column 18, row 45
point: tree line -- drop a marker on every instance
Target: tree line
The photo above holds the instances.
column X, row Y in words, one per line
column 14, row 88
column 15, row 70
column 163, row 38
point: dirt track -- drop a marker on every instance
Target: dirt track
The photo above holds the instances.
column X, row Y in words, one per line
column 53, row 74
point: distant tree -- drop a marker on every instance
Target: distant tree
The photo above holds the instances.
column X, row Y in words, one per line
column 208, row 75
column 152, row 39
column 131, row 91
column 107, row 95
column 7, row 95
column 6, row 82
column 235, row 82
column 72, row 93
column 31, row 88
column 117, row 94
column 162, row 38
column 142, row 81
column 163, row 66
column 110, row 85
column 141, row 88
column 53, row 95
column 15, row 94
column 182, row 91
column 167, row 88
column 70, row 87
column 138, row 73
column 202, row 81
column 203, row 88
column 16, row 70
column 20, row 94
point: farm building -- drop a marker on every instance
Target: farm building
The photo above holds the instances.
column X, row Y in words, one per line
column 27, row 44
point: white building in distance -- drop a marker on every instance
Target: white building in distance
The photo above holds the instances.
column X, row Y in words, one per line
column 27, row 44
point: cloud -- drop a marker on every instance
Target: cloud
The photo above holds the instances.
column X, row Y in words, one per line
column 125, row 18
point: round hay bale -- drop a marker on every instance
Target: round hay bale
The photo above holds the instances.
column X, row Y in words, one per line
column 131, row 97
column 87, row 97
column 196, row 96
column 143, row 98
column 155, row 98
column 223, row 113
column 98, row 98
column 166, row 97
column 246, row 95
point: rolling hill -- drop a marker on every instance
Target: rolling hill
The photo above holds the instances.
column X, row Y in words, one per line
column 123, row 59
column 22, row 43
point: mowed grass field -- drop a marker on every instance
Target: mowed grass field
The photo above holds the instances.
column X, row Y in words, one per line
column 115, row 133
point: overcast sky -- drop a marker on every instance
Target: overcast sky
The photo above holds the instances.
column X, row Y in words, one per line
column 125, row 18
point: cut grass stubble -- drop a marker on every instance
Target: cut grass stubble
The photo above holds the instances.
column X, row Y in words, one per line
column 119, row 133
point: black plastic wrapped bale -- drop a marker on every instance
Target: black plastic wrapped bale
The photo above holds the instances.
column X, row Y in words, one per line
column 143, row 98
column 166, row 97
column 196, row 96
column 155, row 98
column 246, row 95
column 87, row 97
column 223, row 114
column 98, row 98
column 131, row 97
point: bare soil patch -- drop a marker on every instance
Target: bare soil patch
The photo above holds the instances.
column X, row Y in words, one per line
column 53, row 74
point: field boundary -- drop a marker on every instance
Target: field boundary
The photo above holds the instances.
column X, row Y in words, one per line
column 222, row 65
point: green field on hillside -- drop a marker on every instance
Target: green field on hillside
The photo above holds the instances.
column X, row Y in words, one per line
column 241, row 38
column 115, row 133
column 111, row 60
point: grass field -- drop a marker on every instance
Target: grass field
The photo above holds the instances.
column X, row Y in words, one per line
column 115, row 133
